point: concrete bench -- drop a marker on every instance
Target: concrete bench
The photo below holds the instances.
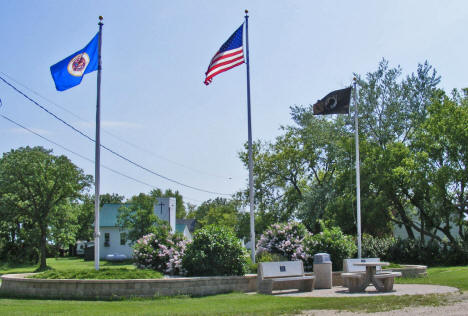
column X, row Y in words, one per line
column 348, row 265
column 355, row 272
column 354, row 276
column 283, row 275
column 386, row 280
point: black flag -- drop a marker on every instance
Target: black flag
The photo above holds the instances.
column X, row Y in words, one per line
column 336, row 102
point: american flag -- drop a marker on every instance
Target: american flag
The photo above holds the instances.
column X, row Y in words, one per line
column 230, row 55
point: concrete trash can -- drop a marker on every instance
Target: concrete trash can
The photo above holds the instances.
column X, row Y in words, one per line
column 323, row 271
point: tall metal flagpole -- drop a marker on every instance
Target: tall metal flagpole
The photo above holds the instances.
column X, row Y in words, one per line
column 249, row 123
column 358, row 172
column 97, row 162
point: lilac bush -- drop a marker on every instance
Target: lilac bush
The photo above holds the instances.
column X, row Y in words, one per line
column 162, row 252
column 285, row 240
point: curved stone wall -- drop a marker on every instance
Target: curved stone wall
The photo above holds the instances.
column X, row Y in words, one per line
column 411, row 271
column 19, row 286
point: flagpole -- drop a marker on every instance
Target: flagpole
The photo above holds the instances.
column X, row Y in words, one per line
column 97, row 163
column 249, row 124
column 358, row 172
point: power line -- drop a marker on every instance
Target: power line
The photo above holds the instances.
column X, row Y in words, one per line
column 107, row 148
column 113, row 135
column 86, row 158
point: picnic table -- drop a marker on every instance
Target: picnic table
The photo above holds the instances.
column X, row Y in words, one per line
column 383, row 282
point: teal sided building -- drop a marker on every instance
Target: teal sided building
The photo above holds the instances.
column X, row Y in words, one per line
column 113, row 239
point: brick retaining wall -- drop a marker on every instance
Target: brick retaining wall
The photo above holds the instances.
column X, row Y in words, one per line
column 411, row 271
column 18, row 285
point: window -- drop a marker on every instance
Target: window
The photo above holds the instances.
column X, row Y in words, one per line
column 123, row 238
column 106, row 239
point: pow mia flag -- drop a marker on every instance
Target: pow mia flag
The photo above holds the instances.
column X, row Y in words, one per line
column 336, row 102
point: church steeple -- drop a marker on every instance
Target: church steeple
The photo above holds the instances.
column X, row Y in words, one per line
column 165, row 209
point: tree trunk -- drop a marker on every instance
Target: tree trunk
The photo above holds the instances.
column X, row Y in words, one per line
column 423, row 227
column 403, row 217
column 43, row 253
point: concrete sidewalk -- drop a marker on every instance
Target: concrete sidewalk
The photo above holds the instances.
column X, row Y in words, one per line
column 398, row 289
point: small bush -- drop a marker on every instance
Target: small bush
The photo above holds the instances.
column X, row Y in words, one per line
column 377, row 247
column 284, row 240
column 269, row 257
column 215, row 250
column 161, row 251
column 431, row 253
column 332, row 241
column 19, row 253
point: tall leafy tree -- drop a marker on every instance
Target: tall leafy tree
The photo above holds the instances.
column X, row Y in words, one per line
column 391, row 111
column 38, row 188
column 308, row 172
column 85, row 217
column 137, row 216
column 109, row 198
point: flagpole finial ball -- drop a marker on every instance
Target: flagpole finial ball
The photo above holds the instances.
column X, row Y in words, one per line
column 101, row 18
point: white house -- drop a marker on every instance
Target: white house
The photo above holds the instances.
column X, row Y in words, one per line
column 114, row 240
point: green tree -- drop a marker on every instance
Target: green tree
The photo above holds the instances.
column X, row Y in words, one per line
column 439, row 189
column 221, row 212
column 137, row 216
column 38, row 188
column 85, row 217
column 108, row 198
column 308, row 172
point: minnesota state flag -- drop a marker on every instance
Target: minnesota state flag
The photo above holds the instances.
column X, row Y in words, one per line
column 69, row 72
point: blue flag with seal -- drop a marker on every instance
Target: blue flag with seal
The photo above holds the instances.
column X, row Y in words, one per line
column 69, row 72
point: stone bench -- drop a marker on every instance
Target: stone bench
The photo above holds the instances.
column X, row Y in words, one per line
column 386, row 280
column 283, row 275
column 354, row 276
column 352, row 271
column 348, row 265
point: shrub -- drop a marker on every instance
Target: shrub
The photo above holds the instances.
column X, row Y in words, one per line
column 19, row 253
column 284, row 240
column 332, row 241
column 269, row 257
column 431, row 253
column 377, row 247
column 215, row 250
column 161, row 251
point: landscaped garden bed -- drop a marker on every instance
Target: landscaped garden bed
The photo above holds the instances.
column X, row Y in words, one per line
column 103, row 274
column 24, row 285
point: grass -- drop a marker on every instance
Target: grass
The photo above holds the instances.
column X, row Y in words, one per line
column 449, row 276
column 67, row 263
column 392, row 266
column 103, row 274
column 226, row 304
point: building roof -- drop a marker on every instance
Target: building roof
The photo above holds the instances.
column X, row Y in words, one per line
column 191, row 223
column 180, row 228
column 108, row 214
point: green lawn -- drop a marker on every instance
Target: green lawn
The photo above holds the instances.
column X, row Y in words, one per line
column 228, row 304
column 62, row 264
column 225, row 304
column 450, row 276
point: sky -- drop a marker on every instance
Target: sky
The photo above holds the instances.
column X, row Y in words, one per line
column 155, row 109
